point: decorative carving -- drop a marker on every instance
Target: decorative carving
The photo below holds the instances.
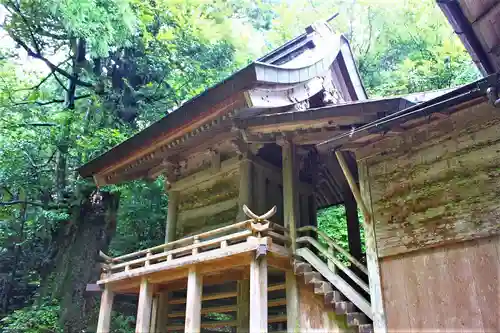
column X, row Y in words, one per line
column 331, row 95
column 260, row 223
column 302, row 106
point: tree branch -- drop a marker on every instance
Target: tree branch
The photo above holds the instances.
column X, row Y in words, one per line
column 32, row 203
column 53, row 67
column 36, row 166
column 50, row 102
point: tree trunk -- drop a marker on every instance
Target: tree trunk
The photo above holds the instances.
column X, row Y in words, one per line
column 90, row 229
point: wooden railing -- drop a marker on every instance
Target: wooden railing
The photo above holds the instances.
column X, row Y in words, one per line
column 257, row 226
column 330, row 251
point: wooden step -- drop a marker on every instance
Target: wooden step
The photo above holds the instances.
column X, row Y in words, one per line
column 357, row 319
column 322, row 287
column 299, row 268
column 312, row 277
column 344, row 307
column 365, row 328
column 333, row 297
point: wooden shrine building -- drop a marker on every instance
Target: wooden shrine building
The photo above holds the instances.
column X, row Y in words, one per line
column 250, row 161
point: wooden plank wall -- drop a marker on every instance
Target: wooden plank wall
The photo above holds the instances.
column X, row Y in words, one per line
column 454, row 288
column 315, row 316
column 435, row 194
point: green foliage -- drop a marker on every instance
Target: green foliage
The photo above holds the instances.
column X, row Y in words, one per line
column 121, row 323
column 35, row 319
column 333, row 222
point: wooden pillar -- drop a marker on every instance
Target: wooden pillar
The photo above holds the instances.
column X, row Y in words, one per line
column 290, row 195
column 291, row 211
column 261, row 204
column 313, row 210
column 193, row 301
column 258, row 295
column 243, row 303
column 353, row 232
column 245, row 191
column 104, row 322
column 154, row 314
column 162, row 313
column 292, row 302
column 173, row 203
column 376, row 297
column 143, row 318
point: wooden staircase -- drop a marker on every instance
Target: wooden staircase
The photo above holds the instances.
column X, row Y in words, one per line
column 335, row 290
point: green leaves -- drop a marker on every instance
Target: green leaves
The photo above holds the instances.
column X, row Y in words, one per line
column 105, row 25
column 35, row 319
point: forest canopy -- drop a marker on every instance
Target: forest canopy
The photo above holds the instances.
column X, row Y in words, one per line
column 80, row 76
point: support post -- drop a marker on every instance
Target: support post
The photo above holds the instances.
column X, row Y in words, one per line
column 353, row 232
column 243, row 303
column 291, row 210
column 154, row 314
column 104, row 322
column 173, row 203
column 193, row 301
column 292, row 302
column 290, row 195
column 260, row 194
column 258, row 295
column 245, row 193
column 143, row 318
column 363, row 199
column 162, row 313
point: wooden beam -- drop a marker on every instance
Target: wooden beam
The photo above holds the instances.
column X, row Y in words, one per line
column 217, row 309
column 227, row 294
column 292, row 302
column 243, row 303
column 291, row 211
column 352, row 184
column 162, row 312
column 258, row 295
column 193, row 303
column 353, row 226
column 260, row 200
column 245, row 190
column 143, row 318
column 154, row 314
column 376, row 295
column 172, row 214
column 104, row 322
column 209, row 297
column 226, row 166
column 210, row 210
column 290, row 203
column 215, row 160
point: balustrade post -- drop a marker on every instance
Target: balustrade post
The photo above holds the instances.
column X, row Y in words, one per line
column 104, row 322
column 258, row 295
column 144, row 307
column 193, row 301
column 331, row 265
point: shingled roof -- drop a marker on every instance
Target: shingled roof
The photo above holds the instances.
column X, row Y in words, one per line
column 286, row 76
column 477, row 23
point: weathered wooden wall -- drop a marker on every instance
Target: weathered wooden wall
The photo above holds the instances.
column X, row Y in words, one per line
column 435, row 196
column 209, row 205
column 454, row 287
column 315, row 316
